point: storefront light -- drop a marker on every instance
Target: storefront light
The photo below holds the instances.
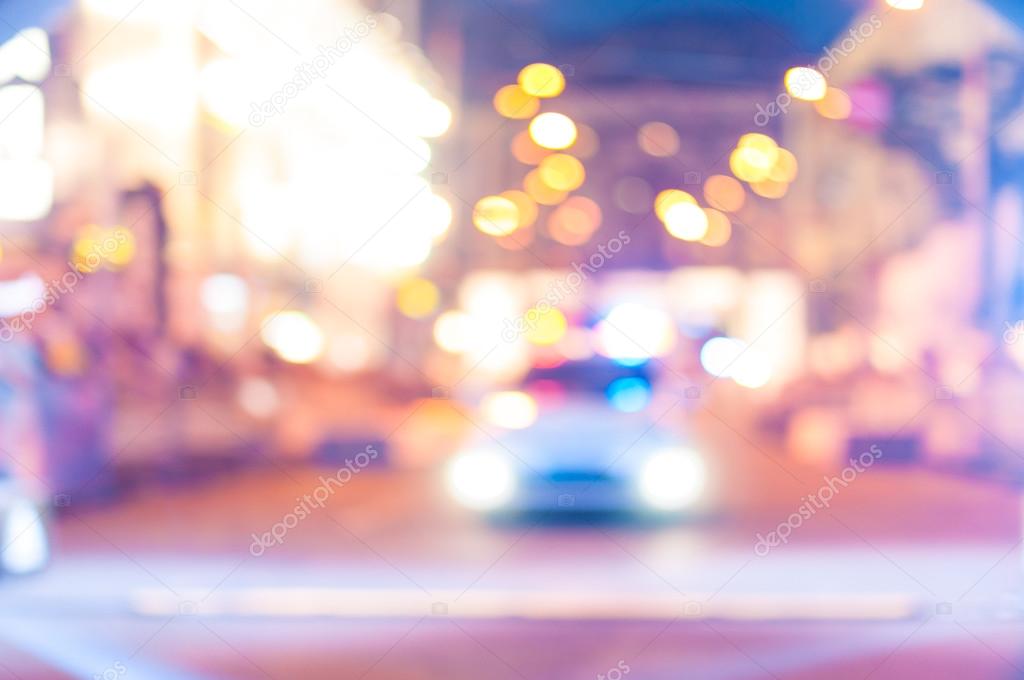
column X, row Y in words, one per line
column 26, row 190
column 293, row 336
column 25, row 56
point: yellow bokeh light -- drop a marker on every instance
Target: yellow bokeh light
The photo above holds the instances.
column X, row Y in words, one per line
column 808, row 84
column 545, row 326
column 575, row 221
column 750, row 164
column 511, row 102
column 562, row 172
column 123, row 252
column 668, row 198
column 762, row 144
column 496, row 216
column 785, row 167
column 526, row 151
column 588, row 206
column 686, row 221
column 96, row 248
column 542, row 80
column 835, row 105
column 719, row 229
column 769, row 188
column 658, row 139
column 553, row 131
column 724, row 193
column 417, row 298
column 82, row 246
column 563, row 235
column 66, row 357
column 540, row 192
column 526, row 206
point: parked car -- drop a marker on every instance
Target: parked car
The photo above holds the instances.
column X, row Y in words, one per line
column 24, row 541
column 24, row 538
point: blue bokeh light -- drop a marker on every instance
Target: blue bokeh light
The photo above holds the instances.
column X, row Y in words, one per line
column 629, row 394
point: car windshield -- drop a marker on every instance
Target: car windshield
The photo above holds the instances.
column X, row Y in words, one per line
column 586, row 377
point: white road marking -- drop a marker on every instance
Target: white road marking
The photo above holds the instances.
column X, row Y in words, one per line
column 534, row 605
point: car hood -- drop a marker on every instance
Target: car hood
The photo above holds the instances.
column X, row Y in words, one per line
column 585, row 437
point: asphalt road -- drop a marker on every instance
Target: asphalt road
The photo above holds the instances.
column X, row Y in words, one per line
column 908, row 574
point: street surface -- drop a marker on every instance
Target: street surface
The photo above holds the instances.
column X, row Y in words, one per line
column 389, row 580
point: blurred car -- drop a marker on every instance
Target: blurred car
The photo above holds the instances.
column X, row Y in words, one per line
column 24, row 539
column 24, row 543
column 578, row 437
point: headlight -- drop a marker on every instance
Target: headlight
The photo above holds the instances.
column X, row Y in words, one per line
column 23, row 544
column 481, row 480
column 672, row 479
